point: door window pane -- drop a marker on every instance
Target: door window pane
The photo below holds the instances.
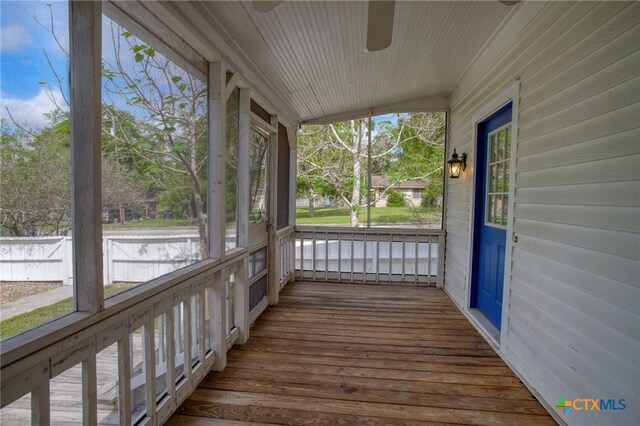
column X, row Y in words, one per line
column 496, row 196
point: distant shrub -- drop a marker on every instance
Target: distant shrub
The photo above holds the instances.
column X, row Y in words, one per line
column 432, row 194
column 395, row 199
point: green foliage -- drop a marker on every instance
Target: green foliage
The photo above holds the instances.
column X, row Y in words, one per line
column 35, row 181
column 432, row 193
column 395, row 199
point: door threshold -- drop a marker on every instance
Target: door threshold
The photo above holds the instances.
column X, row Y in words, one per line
column 490, row 330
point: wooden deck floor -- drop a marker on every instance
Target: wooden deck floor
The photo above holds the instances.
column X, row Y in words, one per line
column 358, row 354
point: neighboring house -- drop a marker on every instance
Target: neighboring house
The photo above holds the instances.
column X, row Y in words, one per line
column 411, row 189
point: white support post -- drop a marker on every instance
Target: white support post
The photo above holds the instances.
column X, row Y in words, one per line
column 244, row 136
column 217, row 156
column 292, row 135
column 219, row 314
column 272, row 251
column 86, row 48
column 242, row 302
column 440, row 276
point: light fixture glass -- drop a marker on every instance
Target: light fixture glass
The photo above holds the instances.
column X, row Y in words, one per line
column 457, row 165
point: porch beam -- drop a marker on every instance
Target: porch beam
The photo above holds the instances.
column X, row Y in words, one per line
column 432, row 103
column 235, row 79
column 217, row 148
column 85, row 63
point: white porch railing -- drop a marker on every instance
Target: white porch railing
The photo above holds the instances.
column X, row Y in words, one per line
column 146, row 334
column 285, row 243
column 372, row 255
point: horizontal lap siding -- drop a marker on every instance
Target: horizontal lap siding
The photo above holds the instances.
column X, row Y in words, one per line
column 575, row 293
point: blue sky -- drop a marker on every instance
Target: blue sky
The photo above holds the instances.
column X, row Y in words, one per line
column 23, row 63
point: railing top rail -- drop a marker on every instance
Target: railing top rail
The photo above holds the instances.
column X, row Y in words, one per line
column 285, row 230
column 370, row 231
column 33, row 239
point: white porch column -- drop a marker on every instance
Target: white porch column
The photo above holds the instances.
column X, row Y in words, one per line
column 217, row 148
column 274, row 285
column 86, row 51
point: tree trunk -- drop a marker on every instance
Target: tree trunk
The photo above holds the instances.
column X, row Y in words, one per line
column 312, row 207
column 121, row 211
column 357, row 170
column 202, row 221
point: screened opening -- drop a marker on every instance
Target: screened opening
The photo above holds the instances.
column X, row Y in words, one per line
column 284, row 170
column 154, row 158
column 258, row 157
column 387, row 172
column 36, row 245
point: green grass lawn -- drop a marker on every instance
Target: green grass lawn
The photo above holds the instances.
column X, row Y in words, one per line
column 379, row 215
column 28, row 320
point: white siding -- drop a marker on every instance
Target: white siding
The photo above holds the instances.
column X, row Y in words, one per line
column 574, row 307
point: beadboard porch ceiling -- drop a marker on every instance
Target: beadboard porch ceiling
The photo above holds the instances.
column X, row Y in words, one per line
column 313, row 52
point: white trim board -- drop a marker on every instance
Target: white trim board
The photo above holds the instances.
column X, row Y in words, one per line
column 510, row 94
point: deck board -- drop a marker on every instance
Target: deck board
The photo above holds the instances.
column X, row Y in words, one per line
column 362, row 354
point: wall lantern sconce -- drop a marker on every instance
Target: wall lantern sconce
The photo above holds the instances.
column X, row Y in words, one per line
column 456, row 165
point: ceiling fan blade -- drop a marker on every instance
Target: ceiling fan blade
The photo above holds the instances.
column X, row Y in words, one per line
column 509, row 2
column 264, row 5
column 380, row 25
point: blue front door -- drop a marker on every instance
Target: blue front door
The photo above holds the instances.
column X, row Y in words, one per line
column 491, row 213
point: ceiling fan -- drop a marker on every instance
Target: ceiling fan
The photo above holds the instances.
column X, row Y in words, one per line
column 379, row 21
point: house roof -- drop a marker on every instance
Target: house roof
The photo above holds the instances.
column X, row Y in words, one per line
column 383, row 182
column 308, row 57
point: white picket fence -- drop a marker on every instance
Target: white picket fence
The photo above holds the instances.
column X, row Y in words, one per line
column 125, row 258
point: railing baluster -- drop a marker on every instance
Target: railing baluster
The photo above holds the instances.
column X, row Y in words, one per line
column 390, row 256
column 40, row 403
column 416, row 260
column 313, row 255
column 171, row 353
column 352, row 247
column 326, row 256
column 339, row 265
column 364, row 258
column 403, row 238
column 201, row 325
column 150, row 367
column 90, row 389
column 186, row 327
column 377, row 269
column 429, row 262
column 124, row 379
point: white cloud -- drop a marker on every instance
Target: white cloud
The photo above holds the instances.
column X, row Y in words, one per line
column 13, row 38
column 29, row 113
